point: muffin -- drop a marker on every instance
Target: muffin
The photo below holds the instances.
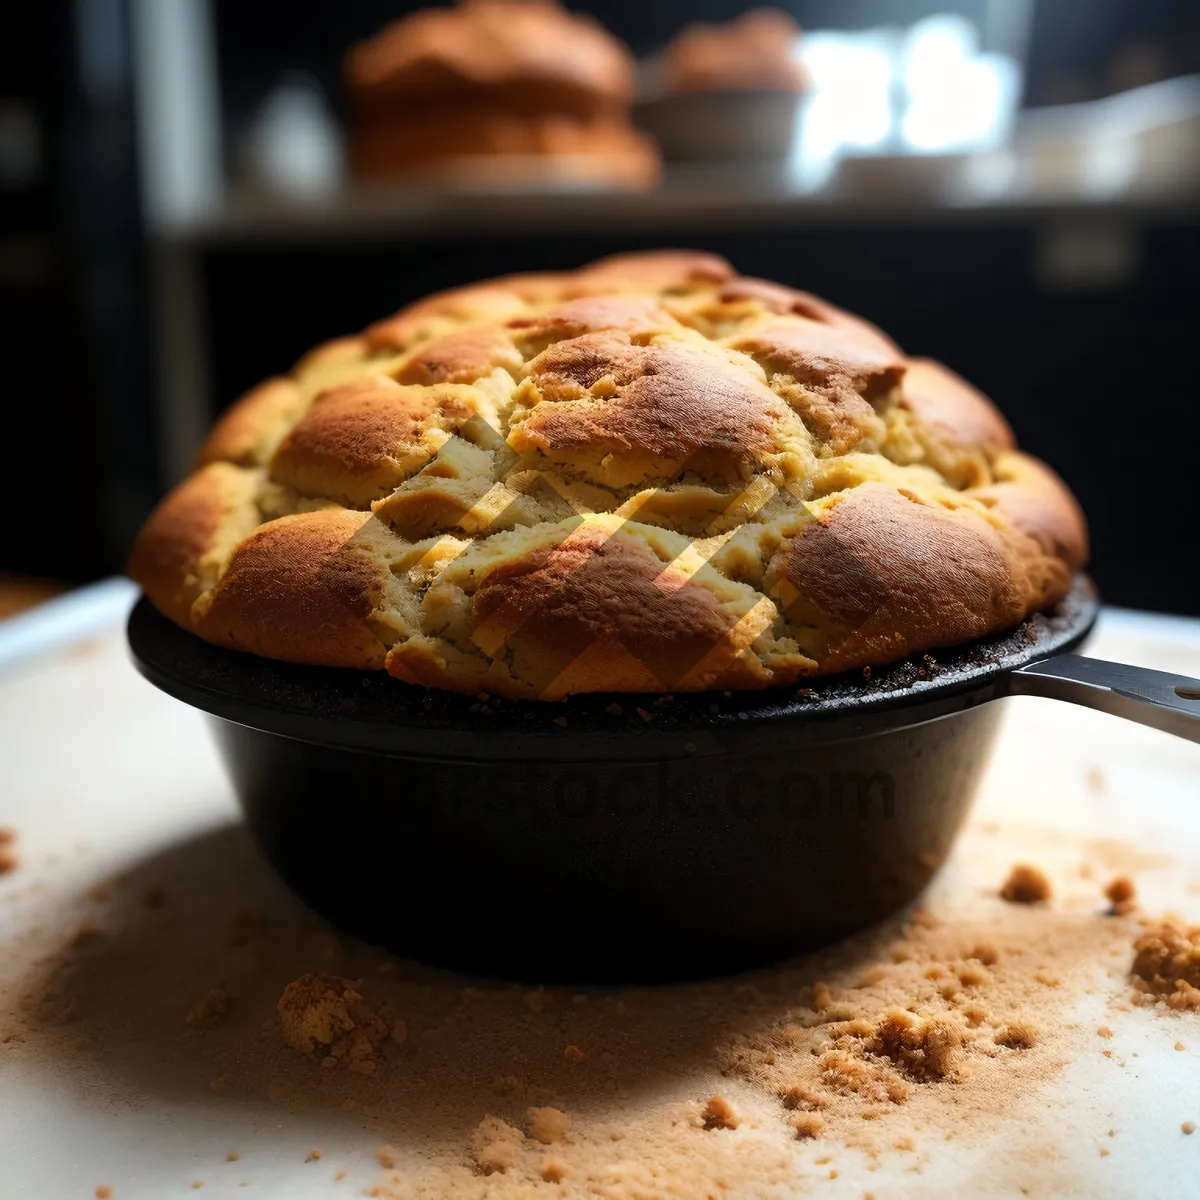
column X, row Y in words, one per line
column 495, row 88
column 753, row 53
column 647, row 475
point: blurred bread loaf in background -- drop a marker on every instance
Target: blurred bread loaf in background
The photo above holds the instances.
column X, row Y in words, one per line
column 496, row 90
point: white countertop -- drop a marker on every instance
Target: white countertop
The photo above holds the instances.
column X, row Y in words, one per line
column 102, row 775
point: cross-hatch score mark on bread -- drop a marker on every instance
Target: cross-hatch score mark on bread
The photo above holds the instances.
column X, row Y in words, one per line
column 646, row 475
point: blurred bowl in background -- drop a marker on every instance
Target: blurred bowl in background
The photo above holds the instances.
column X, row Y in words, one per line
column 722, row 126
column 889, row 178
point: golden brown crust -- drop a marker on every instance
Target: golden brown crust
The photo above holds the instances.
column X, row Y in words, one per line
column 357, row 441
column 301, row 589
column 442, row 313
column 177, row 554
column 658, row 410
column 461, row 358
column 331, row 353
column 594, row 605
column 645, row 475
column 552, row 604
column 247, row 430
column 833, row 375
column 1035, row 500
column 883, row 574
column 955, row 412
column 662, row 269
column 591, row 314
column 776, row 298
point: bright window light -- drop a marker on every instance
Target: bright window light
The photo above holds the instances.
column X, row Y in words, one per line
column 958, row 99
column 923, row 90
column 850, row 105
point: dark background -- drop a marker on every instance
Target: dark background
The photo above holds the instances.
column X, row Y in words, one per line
column 1098, row 380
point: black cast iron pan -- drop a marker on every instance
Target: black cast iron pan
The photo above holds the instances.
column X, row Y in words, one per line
column 646, row 838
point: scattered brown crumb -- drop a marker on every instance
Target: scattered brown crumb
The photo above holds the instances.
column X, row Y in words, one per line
column 210, row 1011
column 8, row 835
column 798, row 1096
column 922, row 1047
column 1167, row 964
column 233, row 1156
column 718, row 1113
column 986, row 953
column 497, row 1145
column 1104, row 1032
column 329, row 1012
column 1122, row 895
column 387, row 1157
column 614, row 710
column 1180, row 1046
column 1017, row 1035
column 561, row 722
column 547, row 1125
column 8, row 862
column 197, row 1184
column 1104, row 1151
column 972, row 974
column 880, row 1032
column 646, row 716
column 315, row 1010
column 1188, row 1127
column 1025, row 885
column 340, row 1175
column 573, row 1054
column 103, row 1192
column 808, row 1124
column 975, row 1014
column 553, row 1171
column 314, row 1155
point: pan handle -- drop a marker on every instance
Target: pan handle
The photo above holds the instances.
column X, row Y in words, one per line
column 1167, row 702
